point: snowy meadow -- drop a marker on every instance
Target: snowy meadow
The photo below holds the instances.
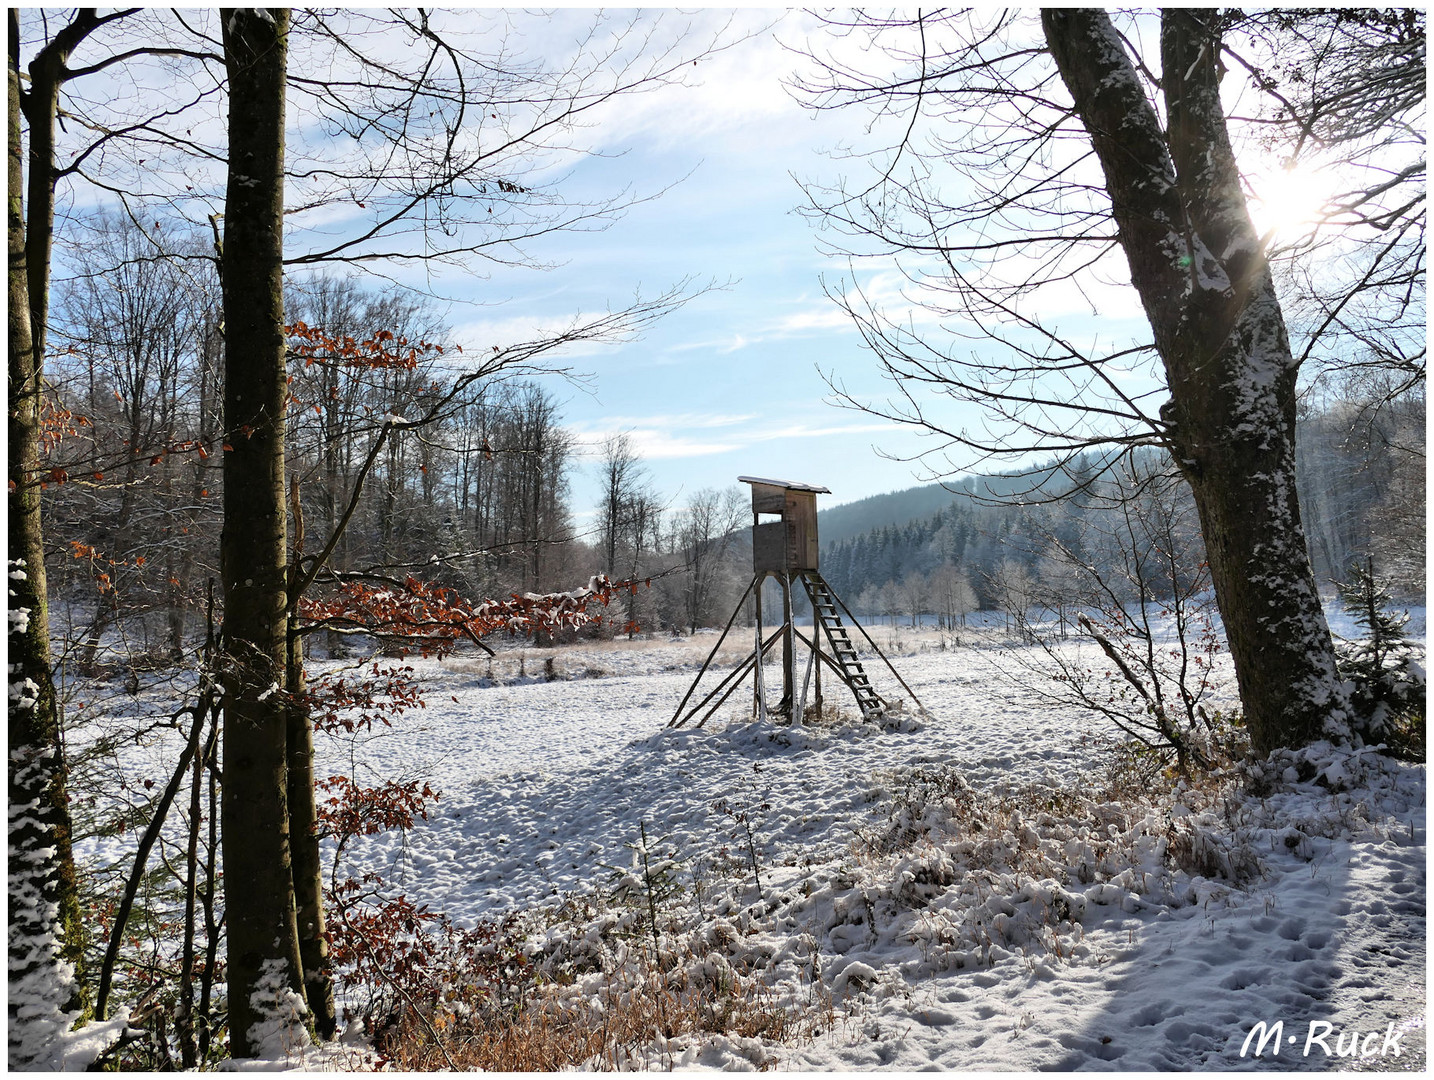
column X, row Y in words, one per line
column 979, row 884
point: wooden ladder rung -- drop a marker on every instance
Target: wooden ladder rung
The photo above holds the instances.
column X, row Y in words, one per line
column 844, row 655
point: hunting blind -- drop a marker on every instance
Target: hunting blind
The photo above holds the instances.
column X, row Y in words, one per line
column 786, row 549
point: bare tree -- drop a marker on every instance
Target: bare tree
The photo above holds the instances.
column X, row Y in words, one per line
column 46, row 933
column 1058, row 589
column 435, row 142
column 952, row 593
column 1011, row 584
column 705, row 530
column 621, row 473
column 510, row 459
column 1070, row 169
column 915, row 591
column 133, row 327
column 340, row 399
column 629, row 516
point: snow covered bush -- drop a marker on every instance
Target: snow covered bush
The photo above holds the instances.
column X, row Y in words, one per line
column 572, row 985
column 970, row 877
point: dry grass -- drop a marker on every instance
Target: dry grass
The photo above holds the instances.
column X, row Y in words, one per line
column 1025, row 830
column 628, row 976
column 636, row 1015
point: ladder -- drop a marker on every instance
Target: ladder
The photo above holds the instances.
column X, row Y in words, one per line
column 844, row 658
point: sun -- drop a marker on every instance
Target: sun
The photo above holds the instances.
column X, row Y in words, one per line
column 1287, row 202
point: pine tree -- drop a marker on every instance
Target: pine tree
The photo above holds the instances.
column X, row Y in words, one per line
column 1384, row 666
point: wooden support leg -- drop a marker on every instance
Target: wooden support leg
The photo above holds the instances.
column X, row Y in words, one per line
column 703, row 670
column 799, row 713
column 759, row 690
column 788, row 649
column 736, row 678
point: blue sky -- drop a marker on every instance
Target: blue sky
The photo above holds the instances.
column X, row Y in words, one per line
column 731, row 383
column 727, row 385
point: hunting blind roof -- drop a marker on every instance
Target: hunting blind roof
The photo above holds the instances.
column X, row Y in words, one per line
column 788, row 484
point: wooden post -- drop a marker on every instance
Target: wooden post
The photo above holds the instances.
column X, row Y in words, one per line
column 816, row 660
column 735, row 677
column 674, row 722
column 788, row 647
column 800, row 711
column 759, row 697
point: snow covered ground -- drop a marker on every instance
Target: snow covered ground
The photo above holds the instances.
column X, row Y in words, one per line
column 968, row 885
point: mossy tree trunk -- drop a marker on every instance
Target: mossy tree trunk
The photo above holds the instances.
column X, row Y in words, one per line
column 266, row 985
column 303, row 811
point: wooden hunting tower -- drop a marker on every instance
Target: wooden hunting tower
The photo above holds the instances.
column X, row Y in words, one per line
column 788, row 545
column 786, row 549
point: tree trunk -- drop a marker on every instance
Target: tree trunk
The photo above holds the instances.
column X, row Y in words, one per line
column 45, row 933
column 266, row 983
column 1200, row 270
column 303, row 813
column 308, row 867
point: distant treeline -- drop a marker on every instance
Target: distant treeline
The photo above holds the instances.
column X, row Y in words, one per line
column 1361, row 494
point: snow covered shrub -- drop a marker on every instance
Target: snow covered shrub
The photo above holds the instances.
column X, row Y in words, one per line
column 969, row 877
column 570, row 987
column 741, row 814
column 649, row 883
column 923, row 797
column 1130, row 765
column 1386, row 668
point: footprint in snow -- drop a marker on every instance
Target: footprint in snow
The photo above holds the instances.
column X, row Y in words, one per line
column 1151, row 1015
column 1242, row 978
column 1291, row 929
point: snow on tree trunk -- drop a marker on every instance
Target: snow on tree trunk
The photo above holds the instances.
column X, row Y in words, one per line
column 277, row 1015
column 1200, row 270
column 45, row 997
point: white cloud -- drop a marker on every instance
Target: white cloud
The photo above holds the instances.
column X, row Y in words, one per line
column 826, row 316
column 482, row 335
column 662, row 437
column 816, row 319
column 731, row 100
column 613, row 424
column 657, row 445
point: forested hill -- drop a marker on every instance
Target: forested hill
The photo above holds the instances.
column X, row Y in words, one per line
column 878, row 547
column 898, row 508
column 966, row 535
column 840, row 523
column 1359, row 497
